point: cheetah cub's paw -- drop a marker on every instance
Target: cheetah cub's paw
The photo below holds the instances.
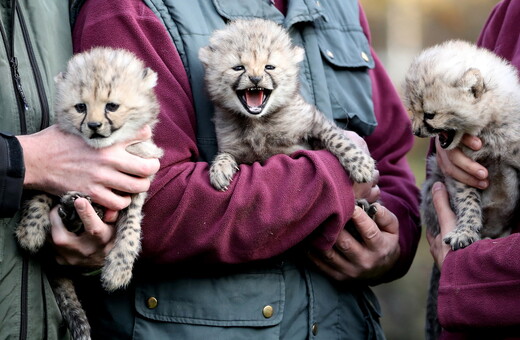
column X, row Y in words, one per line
column 68, row 212
column 34, row 226
column 461, row 238
column 361, row 167
column 222, row 171
column 116, row 272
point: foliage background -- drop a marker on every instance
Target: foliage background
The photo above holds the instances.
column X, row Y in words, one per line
column 400, row 30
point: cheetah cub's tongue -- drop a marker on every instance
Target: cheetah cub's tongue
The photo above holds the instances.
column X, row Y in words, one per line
column 254, row 99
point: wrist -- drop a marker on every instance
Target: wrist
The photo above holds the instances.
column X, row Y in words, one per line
column 12, row 172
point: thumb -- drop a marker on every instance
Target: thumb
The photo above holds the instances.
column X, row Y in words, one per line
column 93, row 224
column 143, row 133
column 445, row 215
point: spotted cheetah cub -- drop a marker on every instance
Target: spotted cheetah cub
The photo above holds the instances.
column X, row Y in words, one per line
column 105, row 96
column 457, row 88
column 252, row 77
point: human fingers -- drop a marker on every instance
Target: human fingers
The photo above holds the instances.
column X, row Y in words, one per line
column 100, row 232
column 358, row 140
column 369, row 191
column 333, row 263
column 116, row 156
column 367, row 227
column 456, row 164
column 85, row 250
column 447, row 221
column 386, row 220
column 142, row 134
column 110, row 199
column 472, row 142
column 445, row 216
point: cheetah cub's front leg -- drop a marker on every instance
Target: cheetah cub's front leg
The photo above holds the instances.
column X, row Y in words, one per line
column 222, row 170
column 359, row 165
column 34, row 226
column 119, row 262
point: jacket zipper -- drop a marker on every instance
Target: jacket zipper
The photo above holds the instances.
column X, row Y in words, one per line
column 36, row 71
column 15, row 77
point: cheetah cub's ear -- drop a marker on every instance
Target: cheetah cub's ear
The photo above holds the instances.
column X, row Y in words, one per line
column 473, row 82
column 298, row 54
column 205, row 55
column 59, row 77
column 149, row 77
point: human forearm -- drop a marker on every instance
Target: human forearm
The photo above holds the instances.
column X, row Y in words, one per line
column 479, row 285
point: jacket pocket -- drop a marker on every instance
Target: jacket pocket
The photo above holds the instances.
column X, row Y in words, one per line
column 347, row 58
column 198, row 307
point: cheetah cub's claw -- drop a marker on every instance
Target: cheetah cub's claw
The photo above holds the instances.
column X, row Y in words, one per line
column 461, row 238
column 222, row 171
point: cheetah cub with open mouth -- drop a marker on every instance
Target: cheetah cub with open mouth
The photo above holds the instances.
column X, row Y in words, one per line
column 252, row 77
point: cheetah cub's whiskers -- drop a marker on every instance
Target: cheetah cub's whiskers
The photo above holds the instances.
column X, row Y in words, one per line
column 105, row 96
column 454, row 89
column 252, row 78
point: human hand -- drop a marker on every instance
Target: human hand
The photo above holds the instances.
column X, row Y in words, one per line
column 369, row 259
column 369, row 191
column 88, row 249
column 456, row 164
column 447, row 222
column 57, row 162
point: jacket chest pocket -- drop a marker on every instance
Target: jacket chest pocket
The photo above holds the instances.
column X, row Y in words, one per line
column 198, row 307
column 346, row 58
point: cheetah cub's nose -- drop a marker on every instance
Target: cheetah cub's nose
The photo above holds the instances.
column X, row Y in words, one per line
column 94, row 125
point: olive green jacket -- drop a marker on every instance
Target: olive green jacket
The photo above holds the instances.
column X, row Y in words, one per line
column 35, row 51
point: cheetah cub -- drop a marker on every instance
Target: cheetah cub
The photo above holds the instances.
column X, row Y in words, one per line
column 457, row 88
column 252, row 78
column 104, row 96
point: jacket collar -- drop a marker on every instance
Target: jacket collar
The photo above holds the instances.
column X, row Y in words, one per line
column 297, row 11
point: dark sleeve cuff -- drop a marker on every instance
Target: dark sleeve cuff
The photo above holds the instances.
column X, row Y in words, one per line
column 12, row 173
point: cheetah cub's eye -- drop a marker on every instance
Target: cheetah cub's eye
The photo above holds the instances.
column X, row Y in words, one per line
column 81, row 108
column 111, row 107
column 238, row 68
column 429, row 115
column 269, row 67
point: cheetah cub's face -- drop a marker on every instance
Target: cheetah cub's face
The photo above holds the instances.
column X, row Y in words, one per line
column 445, row 109
column 105, row 96
column 255, row 74
column 455, row 88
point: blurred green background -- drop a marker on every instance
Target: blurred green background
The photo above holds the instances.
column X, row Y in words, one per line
column 400, row 30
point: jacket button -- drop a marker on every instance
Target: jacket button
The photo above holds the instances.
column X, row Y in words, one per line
column 314, row 328
column 268, row 311
column 365, row 56
column 151, row 302
column 330, row 54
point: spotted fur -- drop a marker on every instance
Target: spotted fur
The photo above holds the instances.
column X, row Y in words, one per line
column 457, row 88
column 105, row 96
column 252, row 77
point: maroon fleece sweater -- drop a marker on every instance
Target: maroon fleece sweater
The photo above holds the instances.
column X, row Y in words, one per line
column 270, row 207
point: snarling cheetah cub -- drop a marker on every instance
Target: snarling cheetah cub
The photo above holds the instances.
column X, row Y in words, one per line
column 105, row 96
column 457, row 88
column 252, row 77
